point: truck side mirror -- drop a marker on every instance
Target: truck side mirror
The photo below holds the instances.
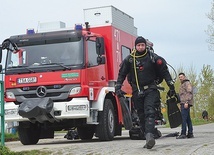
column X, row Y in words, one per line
column 101, row 60
column 100, row 45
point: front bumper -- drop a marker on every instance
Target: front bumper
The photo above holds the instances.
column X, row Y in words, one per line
column 76, row 108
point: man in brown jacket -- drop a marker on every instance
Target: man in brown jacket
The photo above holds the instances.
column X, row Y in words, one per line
column 186, row 98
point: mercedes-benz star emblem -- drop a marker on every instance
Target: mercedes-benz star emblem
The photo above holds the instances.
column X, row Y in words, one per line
column 41, row 91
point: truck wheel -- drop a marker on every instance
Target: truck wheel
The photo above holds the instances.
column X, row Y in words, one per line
column 86, row 132
column 29, row 133
column 106, row 128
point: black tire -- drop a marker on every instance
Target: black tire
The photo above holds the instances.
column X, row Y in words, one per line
column 86, row 132
column 106, row 128
column 29, row 133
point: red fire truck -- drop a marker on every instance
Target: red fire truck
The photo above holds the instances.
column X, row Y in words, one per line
column 65, row 79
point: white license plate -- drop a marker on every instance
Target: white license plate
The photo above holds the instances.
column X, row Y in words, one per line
column 77, row 107
column 27, row 80
column 11, row 111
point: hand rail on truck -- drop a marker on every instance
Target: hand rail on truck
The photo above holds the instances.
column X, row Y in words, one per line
column 2, row 113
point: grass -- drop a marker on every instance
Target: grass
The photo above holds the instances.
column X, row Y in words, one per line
column 6, row 151
column 196, row 121
column 14, row 137
column 11, row 137
column 199, row 121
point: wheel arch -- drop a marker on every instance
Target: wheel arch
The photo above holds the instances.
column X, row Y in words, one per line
column 108, row 93
column 105, row 93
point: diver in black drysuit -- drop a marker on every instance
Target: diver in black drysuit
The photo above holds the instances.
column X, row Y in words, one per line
column 145, row 69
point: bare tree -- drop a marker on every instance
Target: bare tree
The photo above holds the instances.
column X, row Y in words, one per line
column 204, row 97
column 210, row 28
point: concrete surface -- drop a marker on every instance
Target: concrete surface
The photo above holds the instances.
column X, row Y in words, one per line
column 202, row 144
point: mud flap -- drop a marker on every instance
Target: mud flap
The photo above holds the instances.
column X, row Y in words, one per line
column 173, row 112
column 127, row 118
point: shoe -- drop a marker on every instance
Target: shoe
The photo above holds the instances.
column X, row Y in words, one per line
column 181, row 137
column 190, row 135
column 150, row 141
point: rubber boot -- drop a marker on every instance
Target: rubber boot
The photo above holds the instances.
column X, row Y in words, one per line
column 142, row 134
column 150, row 141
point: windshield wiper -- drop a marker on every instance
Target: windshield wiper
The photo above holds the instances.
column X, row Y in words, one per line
column 23, row 66
column 59, row 64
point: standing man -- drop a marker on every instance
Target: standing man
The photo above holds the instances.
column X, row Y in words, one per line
column 186, row 98
column 145, row 69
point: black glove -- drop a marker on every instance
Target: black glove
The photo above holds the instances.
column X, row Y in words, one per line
column 171, row 91
column 118, row 91
column 178, row 98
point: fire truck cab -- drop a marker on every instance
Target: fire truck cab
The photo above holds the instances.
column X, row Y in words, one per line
column 65, row 79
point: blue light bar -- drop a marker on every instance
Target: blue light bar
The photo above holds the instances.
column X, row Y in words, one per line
column 30, row 31
column 78, row 27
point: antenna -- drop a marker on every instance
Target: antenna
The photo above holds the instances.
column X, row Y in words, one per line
column 37, row 29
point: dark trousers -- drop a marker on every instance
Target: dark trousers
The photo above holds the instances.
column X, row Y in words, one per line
column 186, row 120
column 146, row 105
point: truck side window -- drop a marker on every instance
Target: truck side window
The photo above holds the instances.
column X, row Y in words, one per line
column 125, row 52
column 92, row 56
column 14, row 60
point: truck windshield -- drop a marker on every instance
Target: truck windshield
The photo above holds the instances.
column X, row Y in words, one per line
column 65, row 54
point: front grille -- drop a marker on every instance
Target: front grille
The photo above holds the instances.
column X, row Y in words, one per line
column 55, row 92
column 47, row 95
column 48, row 87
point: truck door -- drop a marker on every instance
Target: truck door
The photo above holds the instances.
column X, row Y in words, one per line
column 96, row 69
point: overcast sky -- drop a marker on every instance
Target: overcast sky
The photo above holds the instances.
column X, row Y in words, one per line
column 176, row 27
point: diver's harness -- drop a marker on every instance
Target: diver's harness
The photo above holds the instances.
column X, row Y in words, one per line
column 153, row 85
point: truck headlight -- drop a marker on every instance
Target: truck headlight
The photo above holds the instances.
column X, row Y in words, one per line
column 75, row 90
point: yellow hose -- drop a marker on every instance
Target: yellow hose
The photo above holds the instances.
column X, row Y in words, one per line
column 135, row 69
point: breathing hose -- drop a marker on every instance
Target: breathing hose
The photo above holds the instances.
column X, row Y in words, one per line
column 135, row 69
